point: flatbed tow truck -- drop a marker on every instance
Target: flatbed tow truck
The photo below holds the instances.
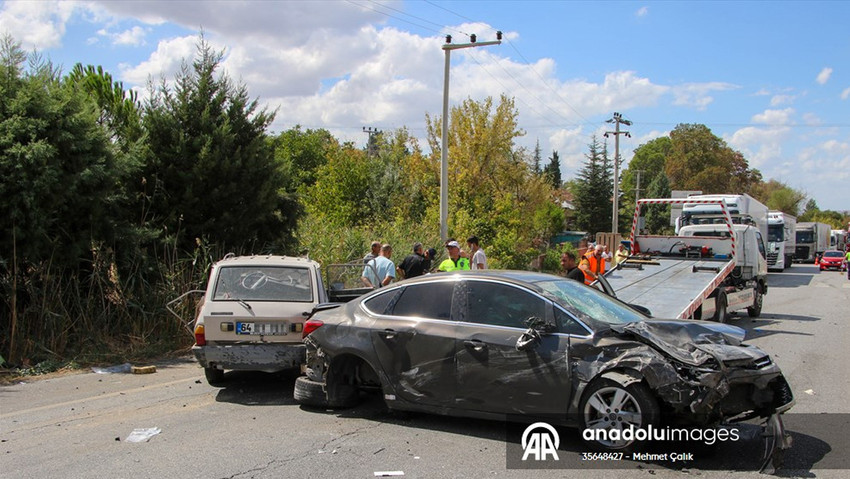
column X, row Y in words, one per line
column 706, row 271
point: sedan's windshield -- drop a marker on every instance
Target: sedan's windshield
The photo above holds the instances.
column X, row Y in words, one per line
column 833, row 254
column 589, row 302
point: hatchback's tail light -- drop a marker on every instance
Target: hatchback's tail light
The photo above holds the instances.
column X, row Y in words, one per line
column 200, row 338
column 309, row 326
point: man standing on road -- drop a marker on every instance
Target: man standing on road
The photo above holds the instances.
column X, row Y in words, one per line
column 568, row 262
column 479, row 259
column 374, row 253
column 413, row 265
column 381, row 270
column 454, row 262
column 847, row 262
column 593, row 264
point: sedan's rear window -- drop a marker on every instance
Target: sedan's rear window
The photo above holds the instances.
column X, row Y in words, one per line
column 263, row 283
column 427, row 300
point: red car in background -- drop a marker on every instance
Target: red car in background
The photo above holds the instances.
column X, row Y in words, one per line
column 832, row 260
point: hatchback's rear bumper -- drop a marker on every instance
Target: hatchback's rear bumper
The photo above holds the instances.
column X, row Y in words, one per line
column 251, row 357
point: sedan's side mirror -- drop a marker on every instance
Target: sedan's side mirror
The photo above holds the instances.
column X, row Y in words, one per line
column 528, row 340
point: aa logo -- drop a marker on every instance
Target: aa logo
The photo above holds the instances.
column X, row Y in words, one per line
column 540, row 440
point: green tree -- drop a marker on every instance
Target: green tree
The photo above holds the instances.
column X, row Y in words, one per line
column 57, row 165
column 699, row 160
column 493, row 191
column 212, row 173
column 657, row 217
column 553, row 171
column 647, row 164
column 593, row 191
column 780, row 197
column 535, row 165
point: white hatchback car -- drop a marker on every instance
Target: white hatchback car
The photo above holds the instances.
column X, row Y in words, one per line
column 253, row 313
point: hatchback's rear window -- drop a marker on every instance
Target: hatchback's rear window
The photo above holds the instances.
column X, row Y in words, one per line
column 263, row 283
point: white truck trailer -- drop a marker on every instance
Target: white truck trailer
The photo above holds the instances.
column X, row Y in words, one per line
column 705, row 271
column 781, row 240
column 838, row 240
column 743, row 209
column 812, row 241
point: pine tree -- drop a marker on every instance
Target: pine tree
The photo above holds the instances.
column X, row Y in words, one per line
column 553, row 171
column 593, row 190
column 537, row 158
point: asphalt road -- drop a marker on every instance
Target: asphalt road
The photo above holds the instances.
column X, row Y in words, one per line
column 76, row 426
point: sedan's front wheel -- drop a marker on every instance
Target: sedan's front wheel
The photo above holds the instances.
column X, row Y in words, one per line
column 609, row 409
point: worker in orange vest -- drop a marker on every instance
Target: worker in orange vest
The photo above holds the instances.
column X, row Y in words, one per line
column 593, row 264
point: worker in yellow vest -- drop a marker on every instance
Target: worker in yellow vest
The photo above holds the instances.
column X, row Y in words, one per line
column 454, row 262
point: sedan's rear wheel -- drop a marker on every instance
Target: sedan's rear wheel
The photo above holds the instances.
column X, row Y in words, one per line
column 309, row 392
column 609, row 408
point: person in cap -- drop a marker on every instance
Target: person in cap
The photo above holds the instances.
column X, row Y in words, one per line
column 455, row 261
column 413, row 265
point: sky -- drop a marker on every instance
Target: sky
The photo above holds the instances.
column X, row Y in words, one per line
column 772, row 79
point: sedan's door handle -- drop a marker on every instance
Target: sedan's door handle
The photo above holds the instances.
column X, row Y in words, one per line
column 475, row 344
column 387, row 334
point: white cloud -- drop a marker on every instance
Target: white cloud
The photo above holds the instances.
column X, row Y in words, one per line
column 697, row 95
column 37, row 25
column 824, row 75
column 642, row 12
column 134, row 36
column 778, row 100
column 165, row 61
column 774, row 117
column 811, row 119
column 845, row 94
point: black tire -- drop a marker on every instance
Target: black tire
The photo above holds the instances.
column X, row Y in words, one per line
column 721, row 314
column 754, row 311
column 309, row 392
column 312, row 393
column 215, row 376
column 639, row 408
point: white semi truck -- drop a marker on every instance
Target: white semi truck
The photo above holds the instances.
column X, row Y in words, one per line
column 706, row 271
column 812, row 241
column 743, row 209
column 781, row 240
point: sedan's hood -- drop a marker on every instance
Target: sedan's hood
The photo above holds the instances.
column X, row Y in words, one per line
column 691, row 342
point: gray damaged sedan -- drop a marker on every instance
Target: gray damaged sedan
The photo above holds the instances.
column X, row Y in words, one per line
column 498, row 344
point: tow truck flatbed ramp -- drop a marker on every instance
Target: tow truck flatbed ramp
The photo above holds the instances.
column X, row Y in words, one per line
column 671, row 288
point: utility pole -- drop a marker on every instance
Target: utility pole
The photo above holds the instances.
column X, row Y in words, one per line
column 637, row 185
column 444, row 153
column 616, row 200
column 370, row 147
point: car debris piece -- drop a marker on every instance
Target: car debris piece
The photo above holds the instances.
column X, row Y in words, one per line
column 143, row 434
column 143, row 369
column 388, row 473
column 117, row 369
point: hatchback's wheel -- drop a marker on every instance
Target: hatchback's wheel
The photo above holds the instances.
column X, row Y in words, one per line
column 609, row 408
column 755, row 310
column 215, row 376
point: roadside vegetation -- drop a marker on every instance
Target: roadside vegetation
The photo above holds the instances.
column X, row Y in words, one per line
column 111, row 206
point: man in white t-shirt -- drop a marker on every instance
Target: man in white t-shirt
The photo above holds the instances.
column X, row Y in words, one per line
column 479, row 259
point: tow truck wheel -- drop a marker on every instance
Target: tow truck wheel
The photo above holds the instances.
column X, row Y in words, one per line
column 720, row 312
column 755, row 310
